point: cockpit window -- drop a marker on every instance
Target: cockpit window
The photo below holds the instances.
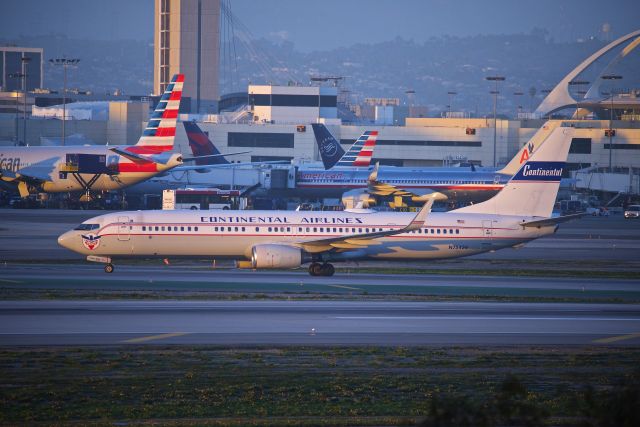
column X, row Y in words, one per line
column 85, row 227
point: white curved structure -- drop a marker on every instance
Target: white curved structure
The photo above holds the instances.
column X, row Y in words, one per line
column 560, row 97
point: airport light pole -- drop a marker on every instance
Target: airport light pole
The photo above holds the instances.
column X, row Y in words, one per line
column 16, row 76
column 495, row 93
column 611, row 78
column 64, row 63
column 518, row 107
column 25, row 60
column 451, row 95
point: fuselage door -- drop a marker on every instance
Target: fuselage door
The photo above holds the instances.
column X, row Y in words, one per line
column 124, row 228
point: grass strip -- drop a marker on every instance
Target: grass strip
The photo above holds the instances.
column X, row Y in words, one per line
column 209, row 385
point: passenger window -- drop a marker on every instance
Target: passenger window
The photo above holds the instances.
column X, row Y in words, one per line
column 188, row 228
column 156, row 228
column 438, row 231
column 269, row 229
column 315, row 229
column 444, row 231
column 182, row 228
column 228, row 228
column 162, row 228
column 257, row 229
column 144, row 228
column 196, row 228
column 235, row 228
column 457, row 231
column 243, row 228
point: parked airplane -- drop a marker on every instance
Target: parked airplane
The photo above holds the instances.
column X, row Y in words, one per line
column 357, row 186
column 96, row 168
column 210, row 160
column 521, row 212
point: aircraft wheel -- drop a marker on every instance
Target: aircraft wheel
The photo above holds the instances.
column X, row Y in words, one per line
column 315, row 269
column 328, row 270
column 108, row 268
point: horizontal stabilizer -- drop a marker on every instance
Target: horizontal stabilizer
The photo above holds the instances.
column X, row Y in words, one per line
column 196, row 158
column 552, row 221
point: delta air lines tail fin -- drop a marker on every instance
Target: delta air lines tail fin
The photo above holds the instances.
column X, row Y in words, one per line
column 160, row 132
column 533, row 189
column 203, row 150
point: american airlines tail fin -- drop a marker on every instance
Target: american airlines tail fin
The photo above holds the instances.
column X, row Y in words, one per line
column 201, row 146
column 160, row 132
column 361, row 151
column 530, row 147
column 533, row 188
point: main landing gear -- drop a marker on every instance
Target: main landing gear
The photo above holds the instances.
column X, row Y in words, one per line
column 317, row 269
column 108, row 268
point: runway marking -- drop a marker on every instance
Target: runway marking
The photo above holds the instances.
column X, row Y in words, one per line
column 155, row 337
column 345, row 287
column 10, row 281
column 617, row 338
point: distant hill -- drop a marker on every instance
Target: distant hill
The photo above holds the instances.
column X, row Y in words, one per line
column 386, row 69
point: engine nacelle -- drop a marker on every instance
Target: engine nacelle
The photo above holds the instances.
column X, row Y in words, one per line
column 357, row 199
column 275, row 256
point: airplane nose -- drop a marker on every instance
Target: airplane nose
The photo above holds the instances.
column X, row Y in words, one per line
column 64, row 240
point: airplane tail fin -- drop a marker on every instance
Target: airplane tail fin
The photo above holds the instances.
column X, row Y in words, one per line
column 361, row 151
column 530, row 147
column 533, row 188
column 201, row 145
column 160, row 132
column 330, row 150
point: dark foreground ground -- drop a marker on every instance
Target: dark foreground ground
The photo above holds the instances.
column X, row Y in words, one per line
column 187, row 385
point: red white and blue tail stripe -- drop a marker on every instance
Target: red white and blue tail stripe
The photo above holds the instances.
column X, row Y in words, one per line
column 160, row 132
column 361, row 151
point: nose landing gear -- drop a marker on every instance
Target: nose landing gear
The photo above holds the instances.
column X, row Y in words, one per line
column 317, row 269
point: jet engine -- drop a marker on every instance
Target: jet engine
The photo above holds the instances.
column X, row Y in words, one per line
column 275, row 256
column 353, row 199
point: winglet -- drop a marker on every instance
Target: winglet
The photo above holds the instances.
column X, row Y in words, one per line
column 420, row 218
column 373, row 176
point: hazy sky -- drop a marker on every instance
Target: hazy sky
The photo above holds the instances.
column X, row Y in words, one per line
column 326, row 24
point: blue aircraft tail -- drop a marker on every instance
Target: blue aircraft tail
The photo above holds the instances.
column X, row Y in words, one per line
column 330, row 149
column 201, row 145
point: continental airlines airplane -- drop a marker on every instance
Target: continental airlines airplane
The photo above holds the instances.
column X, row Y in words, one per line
column 357, row 185
column 97, row 168
column 519, row 213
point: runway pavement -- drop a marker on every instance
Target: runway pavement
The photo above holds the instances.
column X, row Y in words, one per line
column 171, row 282
column 315, row 323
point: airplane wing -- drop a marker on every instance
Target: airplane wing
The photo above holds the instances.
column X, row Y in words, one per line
column 228, row 165
column 191, row 159
column 380, row 188
column 356, row 241
column 552, row 221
